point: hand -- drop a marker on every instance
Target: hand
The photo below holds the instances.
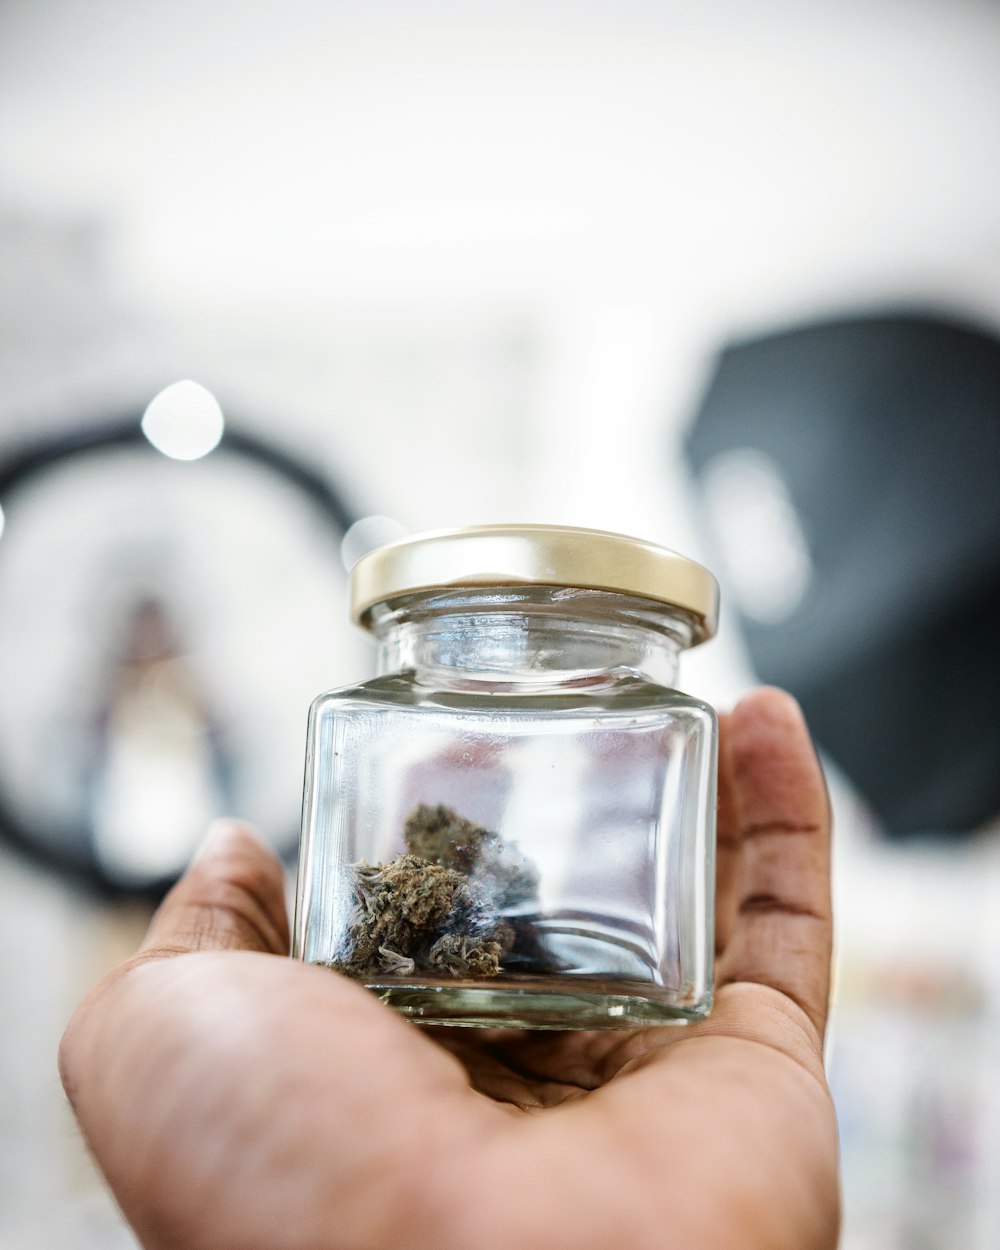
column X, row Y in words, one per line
column 240, row 1101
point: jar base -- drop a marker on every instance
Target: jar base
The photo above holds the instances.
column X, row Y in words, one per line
column 524, row 1007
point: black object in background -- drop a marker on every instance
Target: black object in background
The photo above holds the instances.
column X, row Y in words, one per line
column 885, row 431
column 68, row 845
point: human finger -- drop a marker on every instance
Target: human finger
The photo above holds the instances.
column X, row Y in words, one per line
column 782, row 932
column 231, row 898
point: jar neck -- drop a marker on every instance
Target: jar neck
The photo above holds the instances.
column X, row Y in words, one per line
column 529, row 639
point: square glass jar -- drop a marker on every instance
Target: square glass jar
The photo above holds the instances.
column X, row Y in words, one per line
column 513, row 823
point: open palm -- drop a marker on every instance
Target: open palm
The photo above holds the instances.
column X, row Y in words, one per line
column 238, row 1100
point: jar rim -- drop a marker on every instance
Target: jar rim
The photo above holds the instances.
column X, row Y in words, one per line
column 535, row 555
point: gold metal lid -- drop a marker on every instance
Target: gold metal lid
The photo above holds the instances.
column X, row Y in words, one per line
column 535, row 555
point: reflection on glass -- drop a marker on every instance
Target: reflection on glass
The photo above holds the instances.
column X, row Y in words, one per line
column 367, row 534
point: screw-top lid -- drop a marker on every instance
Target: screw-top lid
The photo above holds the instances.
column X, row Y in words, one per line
column 535, row 555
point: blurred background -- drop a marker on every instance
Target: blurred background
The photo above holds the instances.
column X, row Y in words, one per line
column 726, row 277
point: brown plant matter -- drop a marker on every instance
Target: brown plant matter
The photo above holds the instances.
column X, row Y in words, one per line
column 465, row 956
column 401, row 908
column 439, row 834
column 438, row 907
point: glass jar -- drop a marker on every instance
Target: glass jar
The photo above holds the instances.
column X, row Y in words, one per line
column 513, row 823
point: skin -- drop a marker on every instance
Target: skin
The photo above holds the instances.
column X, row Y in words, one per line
column 235, row 1099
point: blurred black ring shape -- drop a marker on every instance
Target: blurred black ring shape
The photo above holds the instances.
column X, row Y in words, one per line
column 76, row 857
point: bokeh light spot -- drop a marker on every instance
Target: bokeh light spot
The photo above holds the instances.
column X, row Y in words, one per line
column 184, row 421
column 367, row 534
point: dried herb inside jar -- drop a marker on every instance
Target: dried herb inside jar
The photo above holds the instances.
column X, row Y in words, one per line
column 441, row 906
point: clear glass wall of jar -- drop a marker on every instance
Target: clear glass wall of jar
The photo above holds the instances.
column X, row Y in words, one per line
column 513, row 822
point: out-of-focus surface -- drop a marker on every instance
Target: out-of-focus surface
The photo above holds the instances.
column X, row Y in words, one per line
column 474, row 263
column 849, row 468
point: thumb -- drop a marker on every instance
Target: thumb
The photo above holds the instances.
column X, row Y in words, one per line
column 231, row 898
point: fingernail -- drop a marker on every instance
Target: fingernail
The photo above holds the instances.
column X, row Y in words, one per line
column 223, row 835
